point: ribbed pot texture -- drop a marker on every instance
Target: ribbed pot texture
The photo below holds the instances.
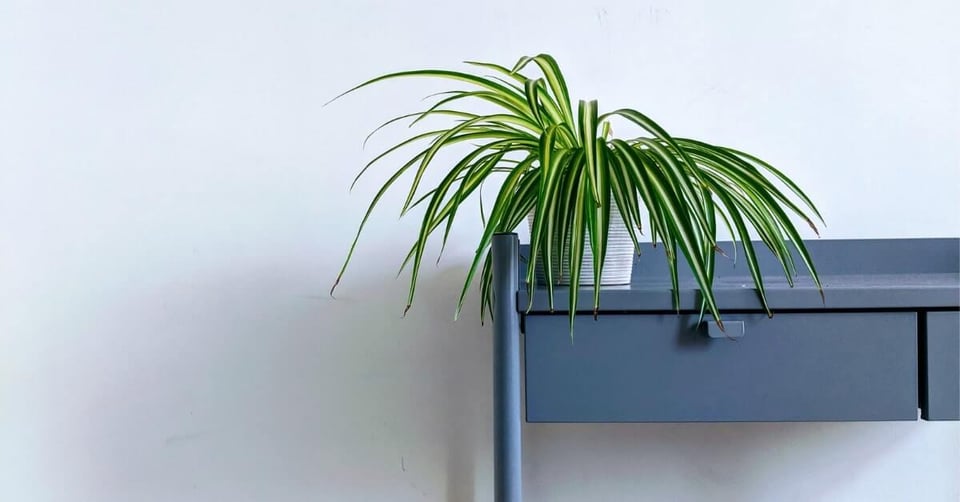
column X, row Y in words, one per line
column 617, row 268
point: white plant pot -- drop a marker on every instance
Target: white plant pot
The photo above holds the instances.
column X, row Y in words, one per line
column 617, row 268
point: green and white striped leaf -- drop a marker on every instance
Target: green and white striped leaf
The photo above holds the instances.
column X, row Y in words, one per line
column 567, row 174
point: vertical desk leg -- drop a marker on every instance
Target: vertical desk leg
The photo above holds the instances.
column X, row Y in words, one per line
column 506, row 370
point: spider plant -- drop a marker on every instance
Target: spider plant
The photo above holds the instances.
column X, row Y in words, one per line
column 563, row 165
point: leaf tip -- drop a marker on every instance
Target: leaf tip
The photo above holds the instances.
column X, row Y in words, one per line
column 405, row 310
column 334, row 287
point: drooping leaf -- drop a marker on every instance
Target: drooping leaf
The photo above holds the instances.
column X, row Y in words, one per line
column 566, row 172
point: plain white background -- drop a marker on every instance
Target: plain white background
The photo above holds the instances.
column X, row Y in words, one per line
column 174, row 207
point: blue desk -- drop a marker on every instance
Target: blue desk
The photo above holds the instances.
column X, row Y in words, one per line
column 883, row 343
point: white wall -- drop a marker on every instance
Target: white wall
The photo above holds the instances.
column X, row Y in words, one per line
column 173, row 208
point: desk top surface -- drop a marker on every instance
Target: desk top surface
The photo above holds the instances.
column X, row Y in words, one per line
column 856, row 274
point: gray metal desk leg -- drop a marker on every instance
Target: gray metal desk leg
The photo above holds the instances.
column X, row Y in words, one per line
column 507, row 476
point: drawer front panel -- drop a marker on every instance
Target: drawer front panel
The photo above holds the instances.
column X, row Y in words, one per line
column 941, row 400
column 663, row 368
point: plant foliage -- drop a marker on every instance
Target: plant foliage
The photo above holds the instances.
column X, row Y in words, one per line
column 562, row 164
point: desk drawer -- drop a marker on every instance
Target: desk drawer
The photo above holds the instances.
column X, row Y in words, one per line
column 940, row 399
column 663, row 368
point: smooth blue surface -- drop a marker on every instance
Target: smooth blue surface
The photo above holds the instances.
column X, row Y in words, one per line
column 663, row 368
column 507, row 417
column 942, row 366
column 856, row 274
column 855, row 356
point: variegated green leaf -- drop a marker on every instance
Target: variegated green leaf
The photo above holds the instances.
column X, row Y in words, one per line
column 568, row 172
